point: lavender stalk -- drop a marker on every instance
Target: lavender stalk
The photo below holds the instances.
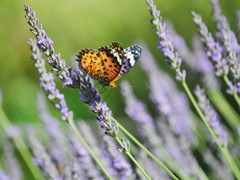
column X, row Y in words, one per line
column 57, row 99
column 216, row 53
column 198, row 61
column 231, row 48
column 13, row 166
column 211, row 115
column 20, row 144
column 42, row 158
column 175, row 61
column 146, row 127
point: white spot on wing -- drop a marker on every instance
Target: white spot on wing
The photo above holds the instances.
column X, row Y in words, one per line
column 130, row 56
column 115, row 54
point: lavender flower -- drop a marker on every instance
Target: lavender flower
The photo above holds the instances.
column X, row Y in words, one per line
column 137, row 111
column 178, row 148
column 204, row 66
column 88, row 168
column 181, row 47
column 167, row 98
column 45, row 44
column 215, row 53
column 3, row 176
column 196, row 59
column 13, row 166
column 165, row 43
column 210, row 115
column 13, row 131
column 221, row 169
column 89, row 135
column 75, row 175
column 90, row 96
column 58, row 149
column 147, row 129
column 47, row 82
column 228, row 40
column 213, row 49
column 151, row 167
column 41, row 157
column 119, row 164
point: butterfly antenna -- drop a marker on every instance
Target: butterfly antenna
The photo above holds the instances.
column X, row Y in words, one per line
column 124, row 89
column 119, row 86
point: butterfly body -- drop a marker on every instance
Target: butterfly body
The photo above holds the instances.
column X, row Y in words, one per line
column 109, row 63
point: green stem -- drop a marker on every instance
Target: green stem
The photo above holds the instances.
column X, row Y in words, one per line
column 149, row 153
column 172, row 163
column 223, row 106
column 133, row 159
column 223, row 149
column 21, row 147
column 72, row 125
column 235, row 93
column 236, row 97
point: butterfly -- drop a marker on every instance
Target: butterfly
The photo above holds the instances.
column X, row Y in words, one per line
column 109, row 63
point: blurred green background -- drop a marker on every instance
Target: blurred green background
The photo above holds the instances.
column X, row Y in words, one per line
column 77, row 24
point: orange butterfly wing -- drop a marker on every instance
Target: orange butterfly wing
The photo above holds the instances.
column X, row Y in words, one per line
column 109, row 63
column 103, row 65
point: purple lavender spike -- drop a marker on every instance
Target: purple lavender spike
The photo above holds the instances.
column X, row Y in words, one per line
column 76, row 169
column 210, row 115
column 204, row 65
column 137, row 111
column 59, row 145
column 41, row 158
column 3, row 176
column 13, row 131
column 213, row 49
column 45, row 44
column 181, row 46
column 196, row 59
column 13, row 166
column 88, row 168
column 165, row 43
column 230, row 45
column 150, row 166
column 121, row 167
column 47, row 82
column 179, row 149
column 166, row 97
column 219, row 168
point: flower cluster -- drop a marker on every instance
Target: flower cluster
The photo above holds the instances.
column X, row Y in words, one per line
column 45, row 44
column 196, row 59
column 213, row 49
column 230, row 45
column 47, row 82
column 211, row 115
column 165, row 43
column 69, row 77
